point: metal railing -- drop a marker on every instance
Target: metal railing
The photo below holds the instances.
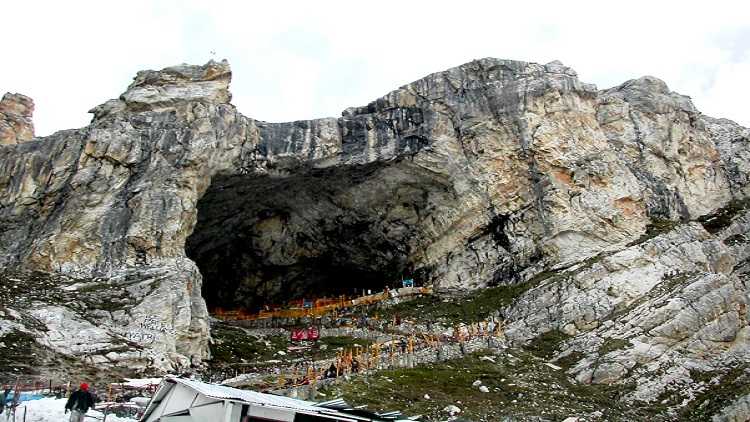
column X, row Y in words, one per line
column 320, row 307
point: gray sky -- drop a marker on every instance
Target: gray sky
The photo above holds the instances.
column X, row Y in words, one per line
column 302, row 60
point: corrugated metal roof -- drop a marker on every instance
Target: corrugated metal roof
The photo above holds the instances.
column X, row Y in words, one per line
column 229, row 393
column 391, row 414
column 338, row 404
column 221, row 392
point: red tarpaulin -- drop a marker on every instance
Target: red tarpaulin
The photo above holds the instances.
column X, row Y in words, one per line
column 302, row 334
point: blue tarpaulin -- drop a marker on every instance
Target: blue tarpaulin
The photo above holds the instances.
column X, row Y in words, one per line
column 25, row 397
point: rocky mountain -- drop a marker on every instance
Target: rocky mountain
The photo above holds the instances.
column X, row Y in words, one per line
column 624, row 212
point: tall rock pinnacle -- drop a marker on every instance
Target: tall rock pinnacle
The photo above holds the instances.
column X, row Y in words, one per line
column 16, row 125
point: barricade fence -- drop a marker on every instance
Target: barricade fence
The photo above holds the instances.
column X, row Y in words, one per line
column 403, row 351
column 109, row 401
column 318, row 307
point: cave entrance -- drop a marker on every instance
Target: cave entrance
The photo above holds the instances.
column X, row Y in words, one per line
column 268, row 240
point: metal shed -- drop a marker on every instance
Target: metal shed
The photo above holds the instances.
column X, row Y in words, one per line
column 184, row 400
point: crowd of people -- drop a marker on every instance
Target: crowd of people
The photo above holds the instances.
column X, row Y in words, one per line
column 388, row 354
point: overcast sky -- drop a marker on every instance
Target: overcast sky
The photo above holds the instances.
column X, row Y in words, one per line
column 306, row 59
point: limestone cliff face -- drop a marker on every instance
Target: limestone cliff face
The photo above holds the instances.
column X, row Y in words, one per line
column 488, row 173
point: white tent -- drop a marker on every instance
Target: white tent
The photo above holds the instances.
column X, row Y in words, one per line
column 184, row 400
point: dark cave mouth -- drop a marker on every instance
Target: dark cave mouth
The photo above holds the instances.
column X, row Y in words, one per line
column 267, row 240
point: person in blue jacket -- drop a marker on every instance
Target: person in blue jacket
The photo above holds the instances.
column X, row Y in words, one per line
column 4, row 398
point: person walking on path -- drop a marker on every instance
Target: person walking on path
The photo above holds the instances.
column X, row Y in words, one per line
column 79, row 403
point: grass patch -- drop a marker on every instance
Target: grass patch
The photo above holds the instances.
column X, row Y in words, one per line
column 735, row 239
column 673, row 280
column 612, row 344
column 546, row 344
column 542, row 276
column 346, row 342
column 569, row 360
column 19, row 350
column 445, row 383
column 21, row 289
column 476, row 307
column 23, row 356
column 668, row 283
column 732, row 385
column 722, row 218
column 656, row 227
column 520, row 388
column 232, row 345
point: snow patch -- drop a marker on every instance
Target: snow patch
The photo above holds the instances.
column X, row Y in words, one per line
column 141, row 382
column 50, row 409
